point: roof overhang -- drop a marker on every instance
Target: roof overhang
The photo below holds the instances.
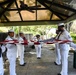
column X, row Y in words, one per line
column 73, row 17
column 50, row 12
column 31, row 23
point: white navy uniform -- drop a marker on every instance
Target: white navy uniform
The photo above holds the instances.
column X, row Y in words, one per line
column 21, row 51
column 17, row 49
column 58, row 54
column 64, row 51
column 11, row 55
column 38, row 50
column 1, row 66
column 1, row 61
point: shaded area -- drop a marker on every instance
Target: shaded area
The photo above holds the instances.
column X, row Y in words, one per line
column 43, row 66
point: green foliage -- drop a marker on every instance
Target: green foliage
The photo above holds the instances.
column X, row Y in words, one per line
column 36, row 29
column 73, row 35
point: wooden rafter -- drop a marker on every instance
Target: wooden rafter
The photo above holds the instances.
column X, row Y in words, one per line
column 5, row 9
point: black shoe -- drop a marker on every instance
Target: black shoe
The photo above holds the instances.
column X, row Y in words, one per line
column 23, row 64
column 55, row 63
column 58, row 74
column 38, row 58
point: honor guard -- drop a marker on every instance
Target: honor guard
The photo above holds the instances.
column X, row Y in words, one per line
column 1, row 62
column 11, row 53
column 21, row 49
column 58, row 55
column 38, row 47
column 64, row 48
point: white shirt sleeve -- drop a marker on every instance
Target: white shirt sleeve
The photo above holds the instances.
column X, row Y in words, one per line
column 67, row 36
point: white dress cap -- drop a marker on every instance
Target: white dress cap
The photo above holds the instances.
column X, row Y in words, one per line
column 61, row 24
column 10, row 30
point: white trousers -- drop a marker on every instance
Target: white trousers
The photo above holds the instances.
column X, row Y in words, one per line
column 21, row 53
column 64, row 57
column 1, row 66
column 18, row 54
column 38, row 50
column 58, row 54
column 21, row 57
column 12, row 63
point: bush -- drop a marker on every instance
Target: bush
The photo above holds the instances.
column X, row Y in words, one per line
column 73, row 37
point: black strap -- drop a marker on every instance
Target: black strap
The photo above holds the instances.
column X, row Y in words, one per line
column 59, row 35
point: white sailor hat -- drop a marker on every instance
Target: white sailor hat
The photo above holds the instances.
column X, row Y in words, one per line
column 10, row 31
column 61, row 24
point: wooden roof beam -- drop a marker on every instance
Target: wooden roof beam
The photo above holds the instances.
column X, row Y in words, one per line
column 60, row 6
column 56, row 13
column 29, row 23
column 6, row 2
column 6, row 8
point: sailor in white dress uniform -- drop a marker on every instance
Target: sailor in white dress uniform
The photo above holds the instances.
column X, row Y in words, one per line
column 11, row 53
column 64, row 48
column 21, row 49
column 58, row 54
column 38, row 47
column 2, row 49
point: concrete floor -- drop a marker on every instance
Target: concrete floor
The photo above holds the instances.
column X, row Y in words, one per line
column 43, row 66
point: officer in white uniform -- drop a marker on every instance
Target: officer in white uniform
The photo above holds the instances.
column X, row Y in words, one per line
column 21, row 49
column 1, row 63
column 17, row 46
column 11, row 53
column 38, row 47
column 58, row 55
column 64, row 48
column 2, row 49
column 1, row 66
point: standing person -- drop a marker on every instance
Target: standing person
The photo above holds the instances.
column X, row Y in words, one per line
column 17, row 46
column 21, row 49
column 58, row 55
column 64, row 48
column 11, row 53
column 2, row 49
column 38, row 47
column 1, row 63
